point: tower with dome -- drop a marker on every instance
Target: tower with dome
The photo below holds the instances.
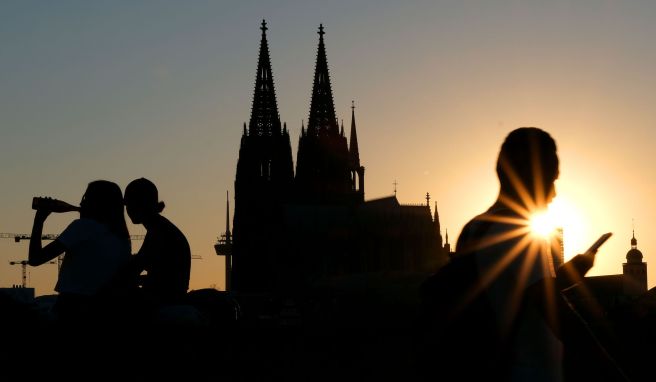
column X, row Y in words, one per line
column 634, row 271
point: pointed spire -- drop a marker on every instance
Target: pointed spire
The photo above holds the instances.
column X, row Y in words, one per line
column 227, row 216
column 436, row 221
column 245, row 132
column 322, row 119
column 446, row 232
column 353, row 142
column 634, row 255
column 341, row 132
column 302, row 128
column 264, row 113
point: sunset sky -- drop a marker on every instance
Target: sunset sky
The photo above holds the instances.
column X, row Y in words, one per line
column 160, row 89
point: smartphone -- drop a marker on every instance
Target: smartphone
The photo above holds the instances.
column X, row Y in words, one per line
column 595, row 247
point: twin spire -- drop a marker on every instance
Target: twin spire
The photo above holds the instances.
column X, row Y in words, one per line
column 265, row 119
column 322, row 119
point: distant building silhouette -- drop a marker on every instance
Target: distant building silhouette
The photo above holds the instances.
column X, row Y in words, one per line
column 634, row 271
column 19, row 293
column 558, row 248
column 223, row 247
column 608, row 292
column 291, row 229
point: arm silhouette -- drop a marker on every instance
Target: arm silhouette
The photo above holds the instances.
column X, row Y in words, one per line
column 38, row 254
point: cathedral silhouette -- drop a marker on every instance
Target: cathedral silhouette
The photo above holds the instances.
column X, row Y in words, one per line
column 292, row 229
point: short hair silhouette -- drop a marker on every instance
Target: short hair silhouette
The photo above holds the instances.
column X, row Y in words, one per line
column 144, row 193
column 528, row 155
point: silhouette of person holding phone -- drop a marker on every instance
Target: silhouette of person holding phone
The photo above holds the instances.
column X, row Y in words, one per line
column 510, row 259
column 512, row 329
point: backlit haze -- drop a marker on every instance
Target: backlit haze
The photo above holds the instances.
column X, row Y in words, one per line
column 161, row 89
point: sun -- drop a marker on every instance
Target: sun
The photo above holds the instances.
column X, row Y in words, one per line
column 543, row 224
column 561, row 214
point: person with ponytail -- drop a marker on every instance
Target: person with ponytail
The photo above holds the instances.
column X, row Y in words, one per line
column 164, row 256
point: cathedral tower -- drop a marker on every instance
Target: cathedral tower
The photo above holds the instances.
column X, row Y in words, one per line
column 263, row 183
column 323, row 168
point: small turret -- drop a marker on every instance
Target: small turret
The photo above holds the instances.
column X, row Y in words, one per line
column 634, row 255
column 354, row 152
column 436, row 223
column 447, row 246
column 634, row 271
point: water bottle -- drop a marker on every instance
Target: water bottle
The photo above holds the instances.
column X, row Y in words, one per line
column 52, row 205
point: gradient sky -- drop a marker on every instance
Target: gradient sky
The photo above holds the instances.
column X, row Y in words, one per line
column 160, row 89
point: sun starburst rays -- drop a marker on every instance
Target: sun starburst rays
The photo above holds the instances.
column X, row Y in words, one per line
column 527, row 244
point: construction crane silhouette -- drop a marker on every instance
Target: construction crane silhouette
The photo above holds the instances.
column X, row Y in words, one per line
column 49, row 236
column 46, row 236
column 23, row 264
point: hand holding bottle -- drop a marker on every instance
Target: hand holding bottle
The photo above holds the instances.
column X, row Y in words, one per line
column 48, row 204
